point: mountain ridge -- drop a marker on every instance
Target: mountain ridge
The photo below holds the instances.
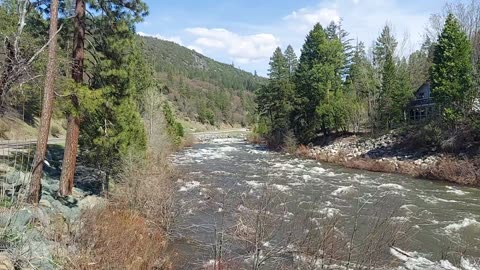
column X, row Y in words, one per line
column 201, row 88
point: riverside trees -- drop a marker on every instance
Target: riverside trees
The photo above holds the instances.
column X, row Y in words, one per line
column 337, row 87
column 102, row 95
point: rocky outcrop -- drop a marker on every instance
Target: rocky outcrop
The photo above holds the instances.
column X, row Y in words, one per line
column 384, row 148
column 33, row 234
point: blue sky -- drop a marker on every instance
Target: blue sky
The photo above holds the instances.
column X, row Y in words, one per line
column 246, row 32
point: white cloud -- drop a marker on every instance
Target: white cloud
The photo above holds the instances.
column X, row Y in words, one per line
column 362, row 19
column 175, row 39
column 195, row 48
column 306, row 17
column 210, row 43
column 242, row 48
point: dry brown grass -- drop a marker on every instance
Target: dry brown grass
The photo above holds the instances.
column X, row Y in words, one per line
column 119, row 238
column 461, row 171
column 148, row 188
column 466, row 172
column 303, row 151
column 255, row 138
column 370, row 165
column 132, row 231
column 188, row 141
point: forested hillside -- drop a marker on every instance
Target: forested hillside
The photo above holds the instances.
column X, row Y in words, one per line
column 201, row 88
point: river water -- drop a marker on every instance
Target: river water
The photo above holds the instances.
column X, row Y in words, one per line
column 244, row 206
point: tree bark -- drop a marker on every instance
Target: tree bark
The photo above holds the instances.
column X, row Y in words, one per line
column 47, row 109
column 73, row 125
column 5, row 79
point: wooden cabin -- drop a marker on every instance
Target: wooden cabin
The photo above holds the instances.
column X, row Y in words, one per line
column 422, row 106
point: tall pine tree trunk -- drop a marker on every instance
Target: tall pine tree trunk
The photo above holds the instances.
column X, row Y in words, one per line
column 47, row 109
column 73, row 125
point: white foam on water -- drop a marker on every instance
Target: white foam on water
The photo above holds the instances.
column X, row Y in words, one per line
column 329, row 212
column 205, row 154
column 399, row 219
column 227, row 149
column 226, row 140
column 283, row 166
column 331, row 174
column 344, row 191
column 456, row 191
column 317, row 170
column 254, row 184
column 415, row 260
column 467, row 265
column 221, row 173
column 282, row 188
column 391, row 186
column 258, row 152
column 189, row 186
column 408, row 207
column 306, row 177
column 434, row 200
column 465, row 223
column 296, row 184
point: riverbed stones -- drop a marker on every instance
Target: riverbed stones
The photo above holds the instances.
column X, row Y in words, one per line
column 6, row 262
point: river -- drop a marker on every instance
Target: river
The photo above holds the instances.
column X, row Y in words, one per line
column 244, row 207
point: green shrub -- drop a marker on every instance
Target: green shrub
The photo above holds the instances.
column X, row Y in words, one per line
column 290, row 143
column 4, row 128
column 175, row 130
column 55, row 131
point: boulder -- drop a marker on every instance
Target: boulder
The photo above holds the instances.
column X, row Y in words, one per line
column 17, row 178
column 37, row 253
column 91, row 202
column 21, row 218
column 5, row 262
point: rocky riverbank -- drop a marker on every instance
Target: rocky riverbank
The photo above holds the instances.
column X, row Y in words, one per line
column 390, row 153
column 36, row 237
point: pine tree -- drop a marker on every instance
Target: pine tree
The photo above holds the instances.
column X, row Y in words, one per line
column 361, row 86
column 317, row 79
column 292, row 60
column 451, row 73
column 115, row 128
column 336, row 31
column 279, row 69
column 396, row 92
column 385, row 43
column 47, row 109
column 386, row 102
column 73, row 120
column 274, row 99
column 419, row 64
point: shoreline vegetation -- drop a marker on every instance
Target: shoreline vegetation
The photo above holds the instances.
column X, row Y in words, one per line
column 385, row 154
column 422, row 111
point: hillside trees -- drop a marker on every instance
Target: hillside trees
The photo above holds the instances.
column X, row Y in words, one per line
column 202, row 89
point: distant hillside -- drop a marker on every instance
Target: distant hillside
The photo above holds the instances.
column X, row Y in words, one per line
column 202, row 89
